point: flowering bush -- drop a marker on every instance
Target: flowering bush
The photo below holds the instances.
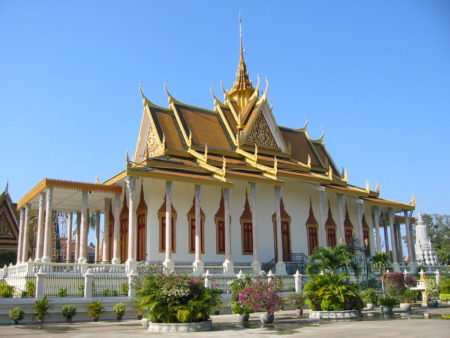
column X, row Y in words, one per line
column 172, row 298
column 261, row 294
column 397, row 283
column 297, row 300
column 237, row 286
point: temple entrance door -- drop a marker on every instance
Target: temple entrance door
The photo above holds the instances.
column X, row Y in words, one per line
column 123, row 240
column 286, row 241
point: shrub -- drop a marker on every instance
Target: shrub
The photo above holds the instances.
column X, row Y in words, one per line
column 297, row 300
column 410, row 296
column 6, row 291
column 389, row 301
column 396, row 283
column 119, row 310
column 260, row 294
column 81, row 289
column 370, row 296
column 331, row 292
column 444, row 296
column 68, row 311
column 62, row 292
column 95, row 309
column 124, row 288
column 432, row 289
column 41, row 308
column 172, row 298
column 236, row 286
column 445, row 284
column 29, row 291
column 16, row 314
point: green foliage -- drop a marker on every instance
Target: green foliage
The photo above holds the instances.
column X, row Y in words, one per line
column 370, row 296
column 119, row 309
column 62, row 292
column 439, row 231
column 95, row 308
column 410, row 296
column 237, row 285
column 172, row 298
column 68, row 311
column 124, row 288
column 29, row 291
column 109, row 292
column 16, row 314
column 432, row 289
column 389, row 301
column 41, row 308
column 381, row 261
column 444, row 284
column 330, row 260
column 444, row 297
column 6, row 290
column 81, row 289
column 332, row 292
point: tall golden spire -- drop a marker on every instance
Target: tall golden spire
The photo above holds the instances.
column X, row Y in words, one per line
column 242, row 87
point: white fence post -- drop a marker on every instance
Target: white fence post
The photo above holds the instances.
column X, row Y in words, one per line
column 240, row 275
column 40, row 280
column 131, row 285
column 207, row 279
column 88, row 279
column 298, row 282
column 270, row 275
column 438, row 277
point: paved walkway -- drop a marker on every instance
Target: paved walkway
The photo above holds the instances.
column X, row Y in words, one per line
column 405, row 325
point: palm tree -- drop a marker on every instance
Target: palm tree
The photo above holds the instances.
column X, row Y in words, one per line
column 330, row 259
column 381, row 260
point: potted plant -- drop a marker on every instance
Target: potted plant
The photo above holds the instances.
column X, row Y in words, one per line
column 16, row 315
column 297, row 301
column 243, row 311
column 387, row 304
column 119, row 310
column 370, row 297
column 68, row 311
column 408, row 297
column 432, row 289
column 95, row 309
column 41, row 308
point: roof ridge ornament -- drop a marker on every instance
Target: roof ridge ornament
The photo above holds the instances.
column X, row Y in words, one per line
column 345, row 176
column 377, row 187
column 413, row 200
column 170, row 97
column 306, row 123
column 330, row 173
column 367, row 188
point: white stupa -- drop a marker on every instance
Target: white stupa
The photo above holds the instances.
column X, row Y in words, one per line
column 425, row 254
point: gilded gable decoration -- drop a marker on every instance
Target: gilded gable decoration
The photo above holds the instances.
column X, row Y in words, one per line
column 261, row 134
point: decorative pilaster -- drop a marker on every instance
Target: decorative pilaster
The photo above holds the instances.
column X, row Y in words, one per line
column 394, row 246
column 116, row 242
column 341, row 212
column 409, row 240
column 360, row 211
column 69, row 238
column 280, row 266
column 47, row 254
column 253, row 192
column 84, row 228
column 19, row 241
column 40, row 228
column 198, row 264
column 106, row 244
column 77, row 237
column 97, row 237
column 228, row 266
column 132, row 229
column 376, row 221
column 168, row 263
column 322, row 216
column 26, row 230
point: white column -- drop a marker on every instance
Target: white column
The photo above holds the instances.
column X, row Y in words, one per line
column 198, row 264
column 20, row 239
column 341, row 211
column 408, row 237
column 168, row 263
column 253, row 192
column 413, row 240
column 376, row 221
column 97, row 237
column 77, row 237
column 394, row 246
column 322, row 216
column 228, row 266
column 26, row 230
column 40, row 228
column 106, row 244
column 360, row 212
column 116, row 241
column 132, row 229
column 82, row 258
column 280, row 267
column 47, row 254
column 69, row 238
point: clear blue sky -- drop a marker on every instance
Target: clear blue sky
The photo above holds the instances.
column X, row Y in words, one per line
column 374, row 74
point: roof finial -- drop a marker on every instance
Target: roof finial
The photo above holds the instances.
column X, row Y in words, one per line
column 240, row 37
column 7, row 185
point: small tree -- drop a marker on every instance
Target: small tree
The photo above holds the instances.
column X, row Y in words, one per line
column 381, row 261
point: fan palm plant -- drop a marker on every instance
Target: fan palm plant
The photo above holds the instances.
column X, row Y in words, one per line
column 381, row 261
column 330, row 259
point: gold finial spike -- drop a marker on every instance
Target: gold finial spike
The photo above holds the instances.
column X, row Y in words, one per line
column 242, row 82
column 377, row 187
column 413, row 200
column 240, row 37
column 367, row 186
column 97, row 180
